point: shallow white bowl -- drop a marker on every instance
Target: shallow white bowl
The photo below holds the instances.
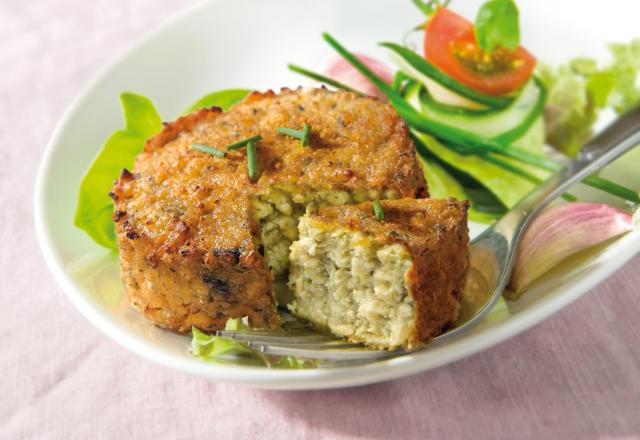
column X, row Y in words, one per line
column 242, row 43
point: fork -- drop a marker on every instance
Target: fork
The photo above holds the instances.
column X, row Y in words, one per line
column 491, row 257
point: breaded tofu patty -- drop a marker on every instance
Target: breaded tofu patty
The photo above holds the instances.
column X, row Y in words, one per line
column 386, row 283
column 200, row 242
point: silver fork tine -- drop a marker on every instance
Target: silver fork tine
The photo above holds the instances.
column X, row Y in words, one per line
column 305, row 344
column 328, row 354
column 258, row 337
column 286, row 343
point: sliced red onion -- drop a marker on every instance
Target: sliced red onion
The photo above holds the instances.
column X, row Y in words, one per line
column 339, row 69
column 560, row 231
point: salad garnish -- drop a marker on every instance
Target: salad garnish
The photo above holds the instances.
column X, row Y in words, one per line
column 468, row 142
column 497, row 27
column 218, row 349
column 94, row 209
column 581, row 90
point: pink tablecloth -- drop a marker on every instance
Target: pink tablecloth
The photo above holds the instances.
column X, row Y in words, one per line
column 577, row 375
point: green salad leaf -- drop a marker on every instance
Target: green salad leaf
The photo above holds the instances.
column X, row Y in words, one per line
column 497, row 25
column 222, row 98
column 94, row 209
column 219, row 349
column 581, row 88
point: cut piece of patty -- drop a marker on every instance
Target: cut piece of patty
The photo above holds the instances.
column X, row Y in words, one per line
column 192, row 228
column 387, row 283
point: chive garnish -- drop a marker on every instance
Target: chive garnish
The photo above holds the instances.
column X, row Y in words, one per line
column 306, row 135
column 377, row 210
column 290, row 132
column 207, row 149
column 252, row 160
column 323, row 79
column 244, row 142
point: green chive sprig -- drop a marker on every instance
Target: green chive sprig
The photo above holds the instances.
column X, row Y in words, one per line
column 290, row 132
column 244, row 142
column 207, row 149
column 252, row 160
column 323, row 79
column 377, row 210
column 304, row 135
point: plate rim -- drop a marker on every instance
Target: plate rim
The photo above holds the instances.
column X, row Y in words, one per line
column 627, row 247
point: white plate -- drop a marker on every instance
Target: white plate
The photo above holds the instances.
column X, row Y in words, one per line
column 224, row 44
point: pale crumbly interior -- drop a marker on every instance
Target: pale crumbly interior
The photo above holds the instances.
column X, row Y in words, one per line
column 279, row 211
column 351, row 285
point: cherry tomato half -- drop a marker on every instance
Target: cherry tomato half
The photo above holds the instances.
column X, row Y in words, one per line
column 450, row 44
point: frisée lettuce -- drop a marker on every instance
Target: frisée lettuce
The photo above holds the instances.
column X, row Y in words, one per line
column 578, row 90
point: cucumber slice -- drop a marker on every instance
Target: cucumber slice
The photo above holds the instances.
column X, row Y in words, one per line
column 505, row 125
column 506, row 186
column 428, row 101
column 416, row 66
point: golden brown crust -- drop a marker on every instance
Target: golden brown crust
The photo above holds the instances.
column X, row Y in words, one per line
column 435, row 233
column 186, row 231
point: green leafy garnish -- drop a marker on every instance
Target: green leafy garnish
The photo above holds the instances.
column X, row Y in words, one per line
column 222, row 98
column 94, row 209
column 222, row 350
column 462, row 142
column 219, row 349
column 497, row 25
column 580, row 89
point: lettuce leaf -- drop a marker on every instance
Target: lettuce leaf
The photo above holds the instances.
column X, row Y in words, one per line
column 224, row 350
column 222, row 98
column 219, row 349
column 581, row 88
column 94, row 209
